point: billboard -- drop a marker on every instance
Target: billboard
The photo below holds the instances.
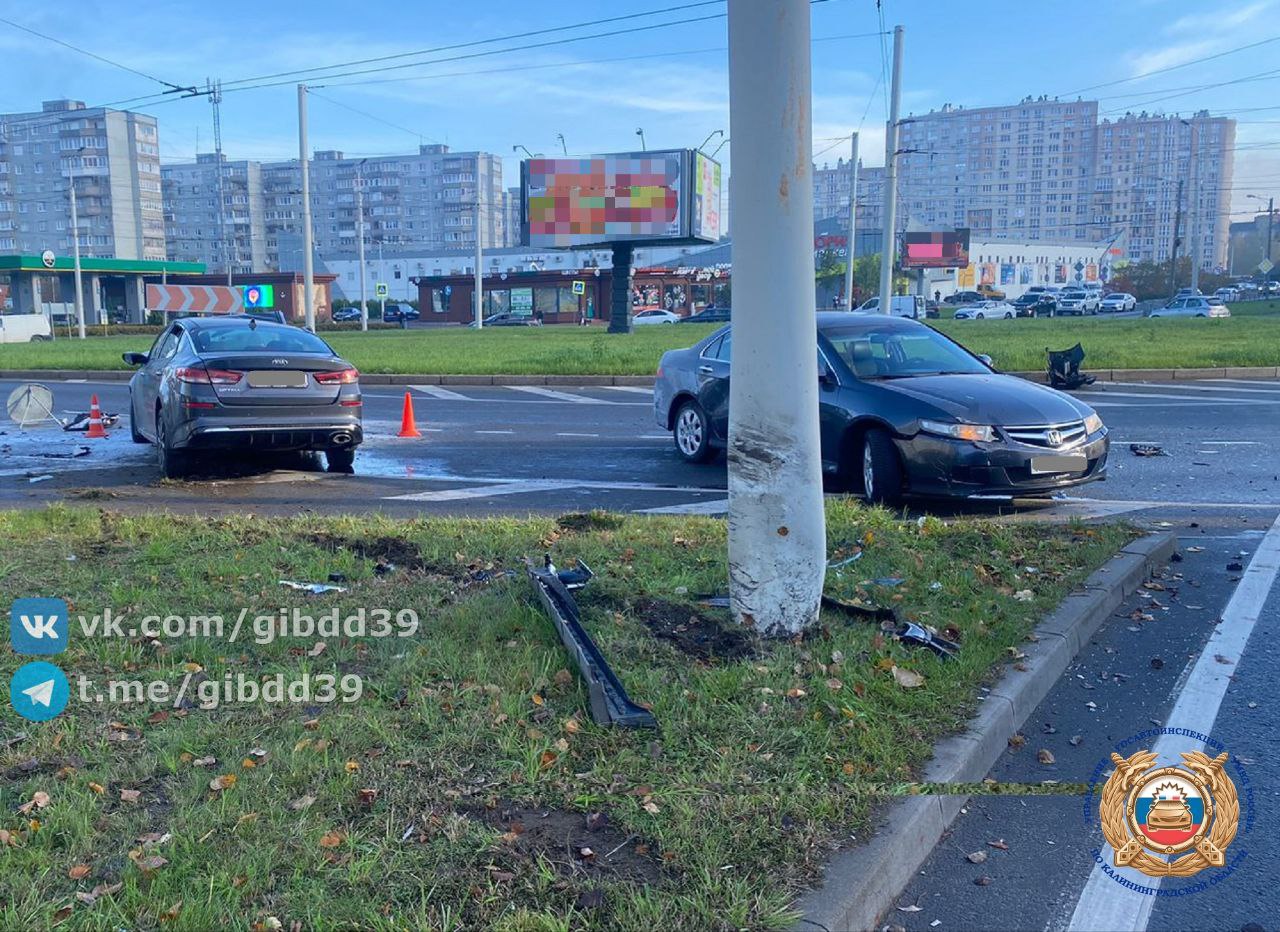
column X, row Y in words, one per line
column 944, row 250
column 670, row 196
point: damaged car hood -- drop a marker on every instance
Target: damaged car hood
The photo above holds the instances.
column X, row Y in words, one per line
column 1002, row 400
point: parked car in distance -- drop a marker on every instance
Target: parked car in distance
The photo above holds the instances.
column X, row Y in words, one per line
column 395, row 313
column 1077, row 302
column 236, row 383
column 962, row 297
column 1227, row 295
column 654, row 315
column 1118, row 302
column 347, row 314
column 987, row 310
column 1035, row 304
column 507, row 319
column 1192, row 306
column 903, row 410
column 991, row 293
column 900, row 305
column 708, row 315
column 24, row 328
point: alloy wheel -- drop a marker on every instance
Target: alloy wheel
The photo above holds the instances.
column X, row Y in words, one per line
column 689, row 432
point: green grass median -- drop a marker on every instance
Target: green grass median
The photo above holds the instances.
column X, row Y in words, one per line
column 1251, row 338
column 467, row 786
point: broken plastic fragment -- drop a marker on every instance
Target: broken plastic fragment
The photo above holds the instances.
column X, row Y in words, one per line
column 311, row 588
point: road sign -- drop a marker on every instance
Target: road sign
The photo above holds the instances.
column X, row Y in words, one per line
column 579, row 287
column 48, row 258
column 259, row 296
column 195, row 299
column 1265, row 266
column 380, row 290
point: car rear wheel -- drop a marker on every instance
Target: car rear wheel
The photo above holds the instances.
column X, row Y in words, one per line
column 174, row 464
column 881, row 469
column 1008, row 316
column 340, row 460
column 692, row 433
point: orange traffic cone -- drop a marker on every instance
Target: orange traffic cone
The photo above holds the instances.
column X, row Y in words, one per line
column 407, row 426
column 95, row 420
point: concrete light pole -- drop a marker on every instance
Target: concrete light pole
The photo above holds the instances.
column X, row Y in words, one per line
column 777, row 533
column 853, row 224
column 364, row 275
column 75, row 245
column 479, row 287
column 1193, row 209
column 891, row 179
column 308, row 272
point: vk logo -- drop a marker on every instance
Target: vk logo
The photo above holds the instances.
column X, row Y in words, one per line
column 39, row 626
column 39, row 691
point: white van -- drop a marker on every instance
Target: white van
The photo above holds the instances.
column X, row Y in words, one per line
column 24, row 328
column 902, row 305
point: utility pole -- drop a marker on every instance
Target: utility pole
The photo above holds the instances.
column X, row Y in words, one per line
column 214, row 90
column 853, row 224
column 75, row 245
column 1177, row 226
column 308, row 273
column 891, row 179
column 364, row 277
column 1271, row 210
column 479, row 286
column 1193, row 218
column 777, row 534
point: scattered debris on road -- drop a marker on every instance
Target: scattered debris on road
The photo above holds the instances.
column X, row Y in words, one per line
column 1147, row 449
column 312, row 588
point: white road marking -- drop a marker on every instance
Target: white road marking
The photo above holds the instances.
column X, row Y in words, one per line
column 634, row 389
column 571, row 434
column 1254, row 382
column 1230, row 443
column 550, row 484
column 559, row 396
column 716, row 507
column 495, row 432
column 435, row 391
column 1105, row 904
column 484, row 491
column 1090, row 395
column 1151, row 503
column 1197, row 387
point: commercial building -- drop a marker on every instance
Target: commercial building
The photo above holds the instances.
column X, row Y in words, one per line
column 1013, row 267
column 423, row 200
column 113, row 159
column 1046, row 170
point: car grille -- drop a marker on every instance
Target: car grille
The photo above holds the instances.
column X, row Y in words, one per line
column 1065, row 435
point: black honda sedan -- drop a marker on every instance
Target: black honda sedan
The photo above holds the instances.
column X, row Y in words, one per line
column 236, row 383
column 903, row 410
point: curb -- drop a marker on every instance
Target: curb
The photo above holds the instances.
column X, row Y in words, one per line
column 646, row 381
column 861, row 884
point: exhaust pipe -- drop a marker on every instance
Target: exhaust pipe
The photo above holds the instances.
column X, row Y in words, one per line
column 340, row 438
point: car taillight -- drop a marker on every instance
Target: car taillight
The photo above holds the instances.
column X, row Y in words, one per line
column 196, row 375
column 348, row 376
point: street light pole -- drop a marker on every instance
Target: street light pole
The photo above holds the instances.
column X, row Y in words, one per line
column 777, row 535
column 364, row 305
column 1193, row 209
column 891, row 179
column 308, row 272
column 75, row 245
column 853, row 224
column 479, row 286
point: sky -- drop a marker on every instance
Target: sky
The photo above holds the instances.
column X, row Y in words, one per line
column 671, row 82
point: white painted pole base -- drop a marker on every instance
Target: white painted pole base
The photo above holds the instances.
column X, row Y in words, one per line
column 777, row 529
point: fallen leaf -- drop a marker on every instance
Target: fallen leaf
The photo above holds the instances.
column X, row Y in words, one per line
column 563, row 678
column 537, row 699
column 352, row 766
column 976, row 857
column 152, row 863
column 1045, row 756
column 651, row 808
column 999, row 843
column 80, row 872
column 302, row 802
column 834, row 684
column 571, row 726
column 548, row 758
column 97, row 788
column 223, row 782
column 62, row 914
column 204, row 761
column 248, row 763
column 1076, row 740
column 1017, row 740
column 796, row 693
column 171, row 913
column 1024, row 595
column 130, row 796
column 8, row 838
column 332, row 839
column 367, row 797
column 982, row 881
column 907, row 679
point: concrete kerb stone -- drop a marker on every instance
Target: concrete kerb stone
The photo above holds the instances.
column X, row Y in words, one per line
column 861, row 884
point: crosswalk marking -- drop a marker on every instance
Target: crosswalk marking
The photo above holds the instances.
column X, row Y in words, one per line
column 435, row 391
column 559, row 396
column 628, row 388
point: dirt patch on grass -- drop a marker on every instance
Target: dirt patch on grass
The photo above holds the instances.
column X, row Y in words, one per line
column 394, row 550
column 580, row 845
column 697, row 634
column 579, row 522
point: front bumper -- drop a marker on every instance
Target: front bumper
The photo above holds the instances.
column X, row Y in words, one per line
column 958, row 468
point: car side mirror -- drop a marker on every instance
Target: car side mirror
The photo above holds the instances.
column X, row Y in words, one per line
column 986, row 360
column 135, row 359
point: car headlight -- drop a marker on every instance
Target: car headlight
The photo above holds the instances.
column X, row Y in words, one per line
column 1092, row 424
column 973, row 432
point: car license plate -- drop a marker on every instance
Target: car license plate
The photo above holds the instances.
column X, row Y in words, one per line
column 1046, row 464
column 271, row 378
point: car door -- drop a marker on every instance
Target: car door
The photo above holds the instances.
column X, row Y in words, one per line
column 152, row 374
column 713, row 384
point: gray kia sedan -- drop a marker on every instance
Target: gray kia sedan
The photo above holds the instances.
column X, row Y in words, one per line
column 903, row 410
column 237, row 383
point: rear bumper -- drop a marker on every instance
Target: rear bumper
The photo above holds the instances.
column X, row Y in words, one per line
column 305, row 429
column 953, row 468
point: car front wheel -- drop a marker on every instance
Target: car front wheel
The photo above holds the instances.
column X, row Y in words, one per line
column 692, row 433
column 881, row 469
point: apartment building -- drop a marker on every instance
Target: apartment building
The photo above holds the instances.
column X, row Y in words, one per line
column 197, row 230
column 831, row 186
column 113, row 159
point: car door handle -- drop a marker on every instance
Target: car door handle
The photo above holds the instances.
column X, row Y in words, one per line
column 706, row 370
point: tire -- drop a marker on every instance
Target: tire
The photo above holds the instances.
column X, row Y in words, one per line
column 40, row 338
column 1008, row 316
column 881, row 469
column 174, row 464
column 340, row 460
column 692, row 433
column 979, row 316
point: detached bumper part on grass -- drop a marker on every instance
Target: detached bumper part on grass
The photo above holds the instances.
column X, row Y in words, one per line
column 610, row 704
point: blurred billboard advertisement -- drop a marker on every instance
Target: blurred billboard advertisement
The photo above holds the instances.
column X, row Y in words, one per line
column 947, row 250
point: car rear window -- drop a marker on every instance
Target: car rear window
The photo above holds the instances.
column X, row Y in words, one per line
column 260, row 339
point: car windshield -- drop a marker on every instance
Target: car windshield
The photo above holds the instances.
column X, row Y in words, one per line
column 258, row 339
column 896, row 353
